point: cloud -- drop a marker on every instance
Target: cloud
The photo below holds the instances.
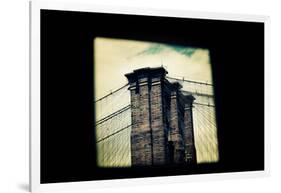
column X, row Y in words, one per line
column 153, row 49
column 158, row 48
column 187, row 51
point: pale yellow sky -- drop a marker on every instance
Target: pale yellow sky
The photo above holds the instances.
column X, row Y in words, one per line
column 115, row 57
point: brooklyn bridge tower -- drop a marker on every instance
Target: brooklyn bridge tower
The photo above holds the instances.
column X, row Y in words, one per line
column 162, row 123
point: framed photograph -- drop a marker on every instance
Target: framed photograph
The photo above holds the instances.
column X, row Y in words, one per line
column 142, row 96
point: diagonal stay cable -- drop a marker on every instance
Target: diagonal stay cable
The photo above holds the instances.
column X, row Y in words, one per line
column 102, row 139
column 112, row 115
column 190, row 81
column 111, row 93
column 202, row 104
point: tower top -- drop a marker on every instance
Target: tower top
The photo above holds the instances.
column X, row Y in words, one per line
column 146, row 72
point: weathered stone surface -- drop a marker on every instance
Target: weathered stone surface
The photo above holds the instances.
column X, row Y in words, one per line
column 162, row 130
column 141, row 132
column 176, row 130
column 190, row 150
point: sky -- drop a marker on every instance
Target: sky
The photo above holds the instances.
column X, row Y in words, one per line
column 115, row 57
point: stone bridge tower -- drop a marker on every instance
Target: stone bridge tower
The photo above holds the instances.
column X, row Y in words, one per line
column 162, row 125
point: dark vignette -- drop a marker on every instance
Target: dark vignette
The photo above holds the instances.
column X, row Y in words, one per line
column 67, row 135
